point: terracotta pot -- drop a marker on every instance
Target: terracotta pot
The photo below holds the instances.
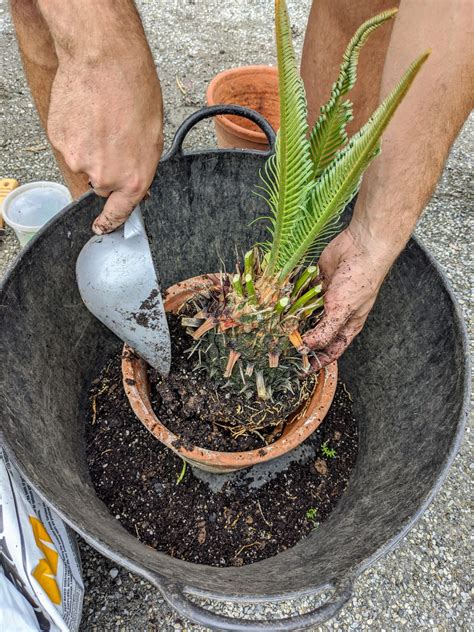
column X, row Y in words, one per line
column 298, row 428
column 254, row 87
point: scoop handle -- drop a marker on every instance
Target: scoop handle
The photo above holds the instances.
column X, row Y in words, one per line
column 134, row 224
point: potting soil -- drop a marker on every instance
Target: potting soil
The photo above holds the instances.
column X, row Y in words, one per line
column 202, row 413
column 219, row 520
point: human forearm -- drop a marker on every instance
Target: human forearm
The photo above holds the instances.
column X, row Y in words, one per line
column 400, row 182
column 105, row 114
column 90, row 32
column 40, row 63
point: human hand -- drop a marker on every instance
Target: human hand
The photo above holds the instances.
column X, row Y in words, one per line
column 353, row 270
column 106, row 120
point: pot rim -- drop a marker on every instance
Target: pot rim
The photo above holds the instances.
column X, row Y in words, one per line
column 223, row 119
column 302, row 424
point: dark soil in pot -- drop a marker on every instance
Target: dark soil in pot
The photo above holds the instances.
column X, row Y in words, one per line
column 219, row 520
column 201, row 413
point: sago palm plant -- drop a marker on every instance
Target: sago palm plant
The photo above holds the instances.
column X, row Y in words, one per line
column 248, row 332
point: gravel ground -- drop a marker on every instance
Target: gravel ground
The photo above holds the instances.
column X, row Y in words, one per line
column 426, row 583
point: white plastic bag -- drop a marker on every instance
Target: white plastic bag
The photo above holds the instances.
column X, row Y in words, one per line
column 40, row 586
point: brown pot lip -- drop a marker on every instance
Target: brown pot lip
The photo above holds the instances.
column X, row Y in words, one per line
column 222, row 119
column 135, row 382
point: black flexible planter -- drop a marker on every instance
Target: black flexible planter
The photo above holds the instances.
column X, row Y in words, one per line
column 407, row 372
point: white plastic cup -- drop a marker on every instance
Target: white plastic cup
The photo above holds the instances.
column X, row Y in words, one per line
column 27, row 208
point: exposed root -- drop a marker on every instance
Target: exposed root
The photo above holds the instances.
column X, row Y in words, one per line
column 269, row 524
column 94, row 402
column 247, row 546
column 267, row 421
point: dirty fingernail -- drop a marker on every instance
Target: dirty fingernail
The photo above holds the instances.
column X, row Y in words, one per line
column 97, row 229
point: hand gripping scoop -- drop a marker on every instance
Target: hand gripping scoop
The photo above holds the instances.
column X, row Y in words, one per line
column 118, row 284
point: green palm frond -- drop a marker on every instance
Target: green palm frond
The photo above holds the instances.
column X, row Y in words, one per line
column 329, row 132
column 287, row 173
column 251, row 326
column 341, row 180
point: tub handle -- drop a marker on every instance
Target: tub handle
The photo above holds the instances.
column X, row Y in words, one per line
column 176, row 148
column 174, row 594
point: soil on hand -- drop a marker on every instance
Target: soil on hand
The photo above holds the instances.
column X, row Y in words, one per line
column 202, row 413
column 143, row 485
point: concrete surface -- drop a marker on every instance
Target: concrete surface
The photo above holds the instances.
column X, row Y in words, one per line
column 426, row 583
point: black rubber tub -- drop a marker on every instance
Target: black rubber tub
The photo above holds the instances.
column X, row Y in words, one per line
column 407, row 372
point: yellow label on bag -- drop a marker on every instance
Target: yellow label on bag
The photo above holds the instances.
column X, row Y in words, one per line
column 45, row 571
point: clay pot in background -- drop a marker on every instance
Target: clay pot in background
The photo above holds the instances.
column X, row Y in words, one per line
column 255, row 87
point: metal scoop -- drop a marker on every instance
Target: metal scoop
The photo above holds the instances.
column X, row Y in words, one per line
column 118, row 284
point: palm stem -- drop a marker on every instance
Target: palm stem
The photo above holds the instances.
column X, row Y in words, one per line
column 249, row 284
column 305, row 299
column 305, row 278
column 237, row 285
